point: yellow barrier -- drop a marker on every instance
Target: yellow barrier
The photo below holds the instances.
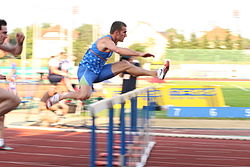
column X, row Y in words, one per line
column 191, row 96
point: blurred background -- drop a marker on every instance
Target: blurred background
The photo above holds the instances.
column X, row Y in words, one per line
column 203, row 40
column 206, row 90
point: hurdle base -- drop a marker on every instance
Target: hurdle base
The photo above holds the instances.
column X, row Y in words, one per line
column 133, row 147
column 118, row 155
column 105, row 163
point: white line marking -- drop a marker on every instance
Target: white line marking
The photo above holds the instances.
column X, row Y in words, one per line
column 227, row 137
column 30, row 164
column 242, row 88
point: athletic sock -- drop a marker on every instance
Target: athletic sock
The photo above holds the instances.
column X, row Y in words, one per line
column 1, row 141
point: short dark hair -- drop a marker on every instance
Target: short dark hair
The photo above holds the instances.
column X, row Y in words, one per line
column 2, row 23
column 117, row 25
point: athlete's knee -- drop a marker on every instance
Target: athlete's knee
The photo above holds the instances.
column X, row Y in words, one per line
column 12, row 100
column 83, row 95
column 125, row 64
column 83, row 98
column 15, row 101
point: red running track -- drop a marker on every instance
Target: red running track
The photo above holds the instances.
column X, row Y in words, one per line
column 43, row 148
column 194, row 152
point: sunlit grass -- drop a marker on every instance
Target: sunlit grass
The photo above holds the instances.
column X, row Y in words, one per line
column 236, row 93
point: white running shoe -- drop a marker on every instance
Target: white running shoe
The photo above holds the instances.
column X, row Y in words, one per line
column 161, row 72
column 52, row 100
column 4, row 147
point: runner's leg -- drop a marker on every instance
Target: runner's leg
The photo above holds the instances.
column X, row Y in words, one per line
column 8, row 102
column 125, row 66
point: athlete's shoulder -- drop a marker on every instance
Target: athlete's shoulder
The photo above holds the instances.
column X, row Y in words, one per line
column 106, row 37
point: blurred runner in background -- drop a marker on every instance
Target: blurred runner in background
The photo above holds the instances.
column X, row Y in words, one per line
column 8, row 100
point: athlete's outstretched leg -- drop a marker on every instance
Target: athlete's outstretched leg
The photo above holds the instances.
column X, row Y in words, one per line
column 125, row 66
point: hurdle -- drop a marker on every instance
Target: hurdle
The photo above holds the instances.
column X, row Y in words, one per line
column 135, row 142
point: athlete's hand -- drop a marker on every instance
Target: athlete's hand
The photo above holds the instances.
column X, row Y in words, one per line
column 20, row 38
column 148, row 55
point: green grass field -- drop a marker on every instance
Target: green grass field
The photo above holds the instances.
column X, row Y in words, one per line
column 236, row 93
column 215, row 56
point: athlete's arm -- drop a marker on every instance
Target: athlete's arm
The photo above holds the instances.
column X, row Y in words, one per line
column 107, row 43
column 17, row 49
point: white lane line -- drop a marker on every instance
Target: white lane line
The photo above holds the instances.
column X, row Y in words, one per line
column 49, row 155
column 32, row 164
column 242, row 88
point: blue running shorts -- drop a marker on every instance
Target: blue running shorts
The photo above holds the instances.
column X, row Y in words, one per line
column 88, row 77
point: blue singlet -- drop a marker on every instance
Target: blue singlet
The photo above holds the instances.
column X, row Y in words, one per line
column 92, row 68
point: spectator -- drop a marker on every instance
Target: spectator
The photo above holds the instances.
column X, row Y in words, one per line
column 58, row 71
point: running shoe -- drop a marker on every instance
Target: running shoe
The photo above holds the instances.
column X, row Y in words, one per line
column 4, row 147
column 52, row 100
column 161, row 73
column 3, row 77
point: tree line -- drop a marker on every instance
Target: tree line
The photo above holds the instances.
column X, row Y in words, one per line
column 175, row 40
column 229, row 41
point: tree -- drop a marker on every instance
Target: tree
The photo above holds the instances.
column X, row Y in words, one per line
column 82, row 42
column 205, row 43
column 182, row 41
column 29, row 42
column 239, row 43
column 140, row 48
column 217, row 43
column 175, row 40
column 193, row 42
column 45, row 25
column 171, row 42
column 228, row 42
column 171, row 31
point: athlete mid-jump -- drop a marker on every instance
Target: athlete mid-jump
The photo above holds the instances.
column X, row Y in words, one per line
column 92, row 68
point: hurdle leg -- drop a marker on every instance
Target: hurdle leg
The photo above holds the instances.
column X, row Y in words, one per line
column 134, row 114
column 123, row 137
column 110, row 137
column 93, row 143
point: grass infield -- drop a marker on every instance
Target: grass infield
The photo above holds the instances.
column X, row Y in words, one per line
column 236, row 93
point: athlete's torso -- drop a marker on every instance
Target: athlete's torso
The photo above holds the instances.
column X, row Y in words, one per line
column 94, row 59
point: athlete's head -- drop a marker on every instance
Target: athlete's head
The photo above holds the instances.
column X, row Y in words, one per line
column 119, row 30
column 2, row 23
column 117, row 26
column 3, row 31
